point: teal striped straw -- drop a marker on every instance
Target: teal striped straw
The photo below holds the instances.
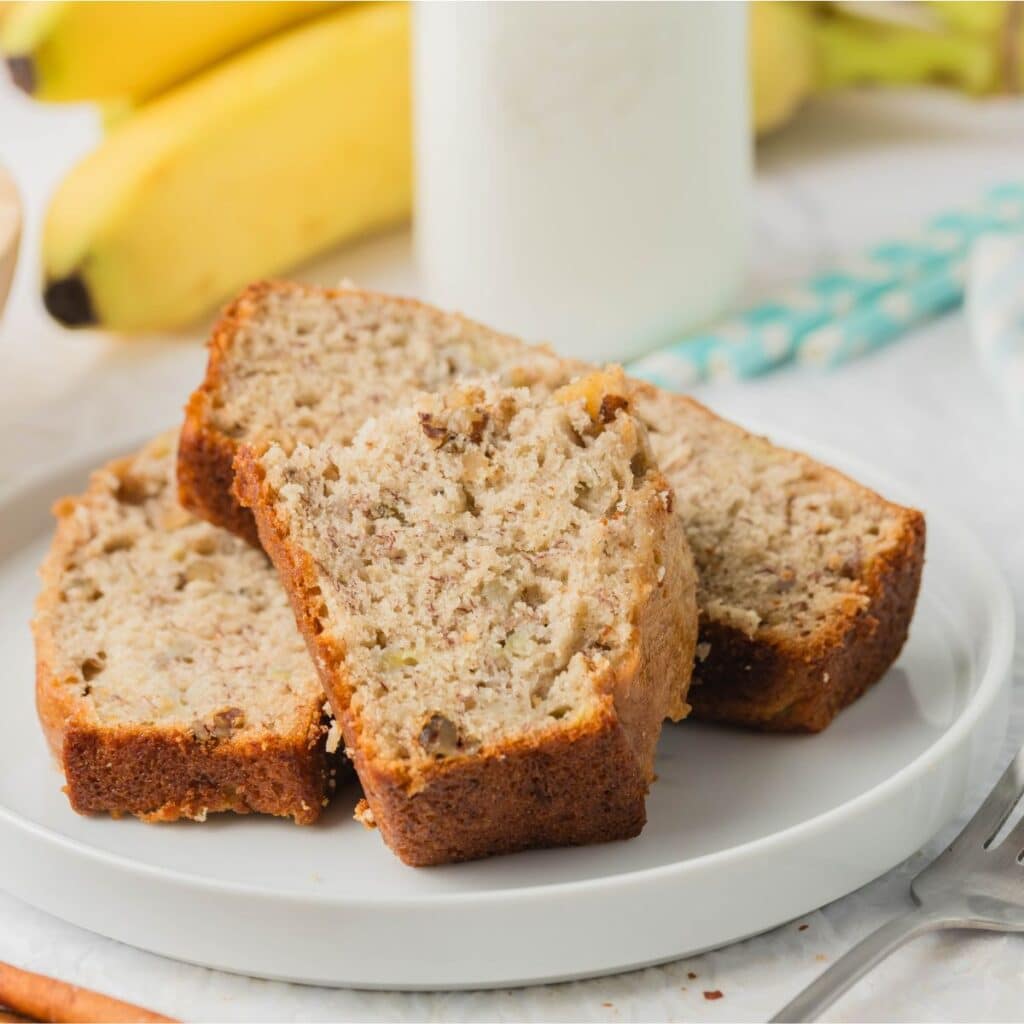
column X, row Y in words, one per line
column 847, row 311
column 879, row 322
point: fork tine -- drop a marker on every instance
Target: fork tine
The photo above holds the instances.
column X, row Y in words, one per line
column 1013, row 844
column 999, row 805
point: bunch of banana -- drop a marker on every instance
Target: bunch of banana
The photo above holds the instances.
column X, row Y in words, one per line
column 799, row 49
column 278, row 151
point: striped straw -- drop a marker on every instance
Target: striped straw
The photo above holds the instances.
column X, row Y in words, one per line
column 884, row 319
column 842, row 313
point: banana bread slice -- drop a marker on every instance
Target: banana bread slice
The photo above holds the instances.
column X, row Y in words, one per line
column 171, row 681
column 502, row 606
column 808, row 580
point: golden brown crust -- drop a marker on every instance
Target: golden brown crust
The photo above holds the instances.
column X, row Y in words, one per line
column 668, row 629
column 784, row 689
column 581, row 785
column 566, row 791
column 205, row 475
column 163, row 773
column 205, row 455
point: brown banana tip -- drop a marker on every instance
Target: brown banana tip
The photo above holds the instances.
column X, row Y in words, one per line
column 67, row 300
column 23, row 73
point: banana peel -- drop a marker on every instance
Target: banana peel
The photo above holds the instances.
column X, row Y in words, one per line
column 294, row 146
column 1000, row 26
column 857, row 50
column 979, row 17
column 72, row 51
column 783, row 61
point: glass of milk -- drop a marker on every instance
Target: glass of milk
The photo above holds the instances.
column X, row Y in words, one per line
column 583, row 169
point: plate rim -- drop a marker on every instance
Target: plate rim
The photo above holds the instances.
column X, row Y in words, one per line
column 992, row 677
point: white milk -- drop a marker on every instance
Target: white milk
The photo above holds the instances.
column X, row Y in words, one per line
column 583, row 169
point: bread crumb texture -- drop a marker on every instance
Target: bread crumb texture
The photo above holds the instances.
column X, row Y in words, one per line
column 161, row 616
column 302, row 369
column 782, row 543
column 153, row 623
column 482, row 558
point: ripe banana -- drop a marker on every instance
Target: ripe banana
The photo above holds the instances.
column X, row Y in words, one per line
column 783, row 60
column 979, row 17
column 999, row 26
column 296, row 144
column 101, row 51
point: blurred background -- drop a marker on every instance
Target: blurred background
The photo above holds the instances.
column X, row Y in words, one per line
column 580, row 173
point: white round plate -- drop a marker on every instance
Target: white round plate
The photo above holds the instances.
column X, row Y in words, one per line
column 745, row 831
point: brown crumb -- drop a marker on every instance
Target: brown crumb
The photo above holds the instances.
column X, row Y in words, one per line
column 435, row 431
column 364, row 815
column 713, row 994
column 608, row 1004
column 610, row 405
column 821, row 958
column 691, row 975
column 802, row 928
column 477, row 426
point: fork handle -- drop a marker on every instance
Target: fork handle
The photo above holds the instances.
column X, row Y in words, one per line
column 872, row 950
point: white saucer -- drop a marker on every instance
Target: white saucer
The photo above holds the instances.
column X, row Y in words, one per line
column 745, row 831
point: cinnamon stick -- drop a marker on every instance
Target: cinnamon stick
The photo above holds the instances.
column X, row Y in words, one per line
column 10, row 1017
column 48, row 999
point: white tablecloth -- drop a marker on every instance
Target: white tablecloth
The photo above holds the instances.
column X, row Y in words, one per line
column 855, row 170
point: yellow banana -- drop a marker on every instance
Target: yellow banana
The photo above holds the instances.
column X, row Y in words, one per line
column 855, row 49
column 114, row 112
column 783, row 60
column 1000, row 26
column 296, row 144
column 979, row 17
column 101, row 51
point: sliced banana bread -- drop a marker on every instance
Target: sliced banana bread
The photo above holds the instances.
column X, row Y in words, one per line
column 502, row 606
column 171, row 681
column 808, row 580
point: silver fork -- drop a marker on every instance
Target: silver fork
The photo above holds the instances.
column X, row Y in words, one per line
column 973, row 884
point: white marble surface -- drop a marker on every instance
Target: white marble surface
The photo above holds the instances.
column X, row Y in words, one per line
column 856, row 169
